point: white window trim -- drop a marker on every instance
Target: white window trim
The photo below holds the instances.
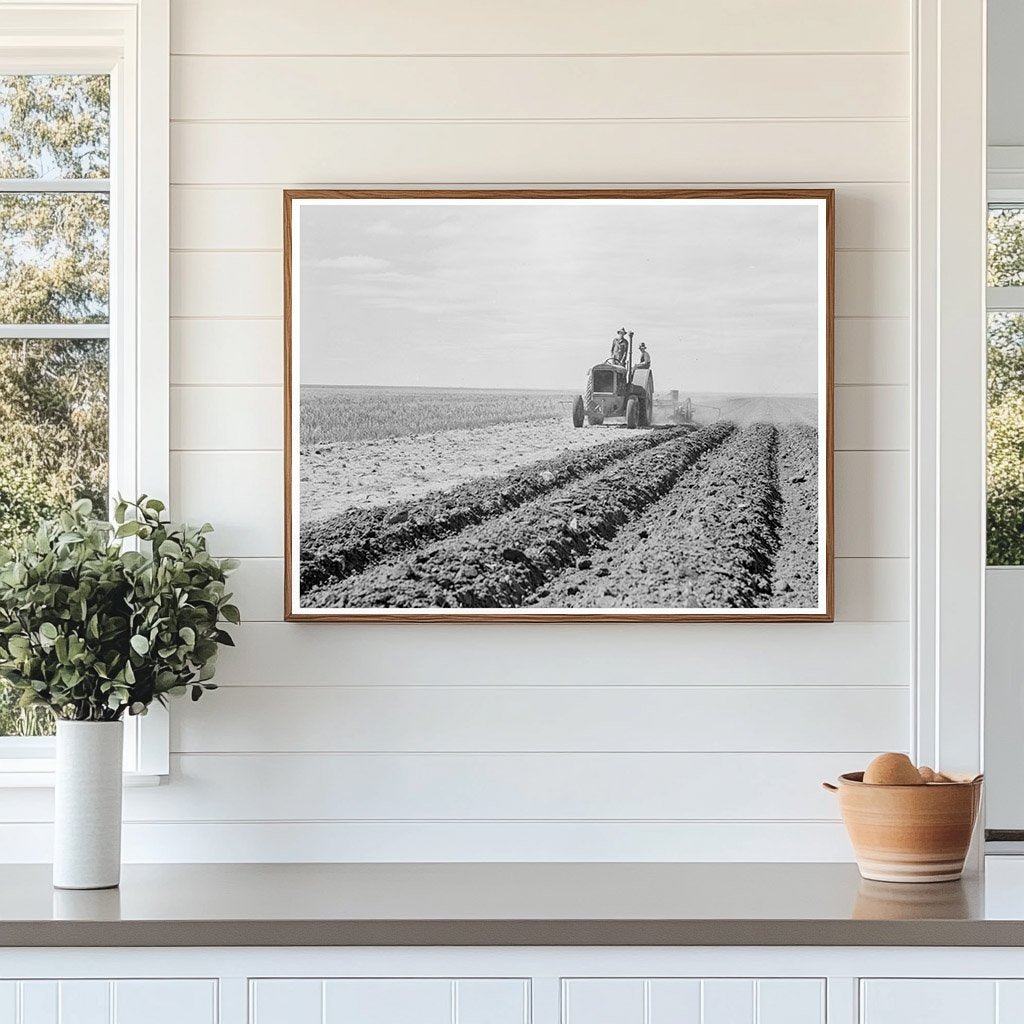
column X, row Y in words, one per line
column 131, row 41
column 949, row 445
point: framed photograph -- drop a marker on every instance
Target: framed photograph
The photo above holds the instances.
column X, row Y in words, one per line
column 558, row 405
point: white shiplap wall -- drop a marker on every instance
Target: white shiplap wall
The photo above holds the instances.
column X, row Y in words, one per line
column 690, row 741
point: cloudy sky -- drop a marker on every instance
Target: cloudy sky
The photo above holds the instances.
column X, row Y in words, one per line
column 500, row 295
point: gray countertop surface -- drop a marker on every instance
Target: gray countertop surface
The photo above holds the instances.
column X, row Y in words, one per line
column 494, row 904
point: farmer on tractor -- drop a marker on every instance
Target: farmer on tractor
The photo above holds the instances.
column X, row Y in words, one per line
column 620, row 347
column 618, row 388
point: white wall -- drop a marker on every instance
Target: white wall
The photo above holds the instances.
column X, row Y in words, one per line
column 690, row 741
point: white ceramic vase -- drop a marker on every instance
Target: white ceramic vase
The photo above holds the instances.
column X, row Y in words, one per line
column 87, row 811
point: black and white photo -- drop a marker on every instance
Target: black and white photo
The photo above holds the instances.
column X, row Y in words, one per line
column 533, row 405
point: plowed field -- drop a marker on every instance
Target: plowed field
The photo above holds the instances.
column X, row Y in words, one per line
column 723, row 517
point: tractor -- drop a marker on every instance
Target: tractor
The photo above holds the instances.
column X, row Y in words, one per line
column 616, row 391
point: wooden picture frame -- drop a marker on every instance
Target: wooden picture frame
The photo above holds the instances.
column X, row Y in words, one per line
column 384, row 555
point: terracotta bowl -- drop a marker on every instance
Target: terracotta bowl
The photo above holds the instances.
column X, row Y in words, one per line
column 909, row 833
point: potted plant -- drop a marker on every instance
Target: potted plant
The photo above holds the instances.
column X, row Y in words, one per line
column 99, row 620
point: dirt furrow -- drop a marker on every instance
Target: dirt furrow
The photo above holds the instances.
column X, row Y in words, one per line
column 336, row 548
column 500, row 562
column 795, row 575
column 708, row 543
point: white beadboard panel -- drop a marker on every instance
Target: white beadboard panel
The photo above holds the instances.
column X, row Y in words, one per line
column 873, row 589
column 539, row 151
column 577, row 26
column 603, row 1001
column 8, row 1002
column 242, row 352
column 500, row 786
column 241, row 493
column 210, row 284
column 212, row 418
column 248, row 284
column 85, row 1002
column 727, row 1001
column 872, row 350
column 285, row 88
column 286, row 1001
column 873, row 216
column 674, row 1000
column 508, row 654
column 492, row 1001
column 388, row 1001
column 867, row 589
column 875, row 418
column 872, row 501
column 39, row 1002
column 873, row 283
column 348, row 719
column 463, row 842
column 937, row 1001
column 790, row 1001
column 693, row 1001
column 151, row 1001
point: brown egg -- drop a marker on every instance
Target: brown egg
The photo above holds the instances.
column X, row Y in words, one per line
column 928, row 774
column 892, row 770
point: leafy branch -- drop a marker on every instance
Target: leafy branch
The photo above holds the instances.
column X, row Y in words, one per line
column 91, row 628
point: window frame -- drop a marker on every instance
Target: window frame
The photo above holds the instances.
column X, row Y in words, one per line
column 130, row 41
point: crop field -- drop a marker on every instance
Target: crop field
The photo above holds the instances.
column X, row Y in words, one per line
column 332, row 414
column 723, row 516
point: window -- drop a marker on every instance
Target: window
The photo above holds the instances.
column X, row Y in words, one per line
column 54, row 308
column 1005, row 487
column 84, row 124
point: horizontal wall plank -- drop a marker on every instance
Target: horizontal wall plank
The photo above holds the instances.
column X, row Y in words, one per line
column 416, row 787
column 249, row 284
column 553, row 152
column 235, row 418
column 455, row 842
column 873, row 283
column 872, row 418
column 874, row 216
column 526, row 88
column 242, row 494
column 873, row 589
column 872, row 350
column 216, row 352
column 208, row 418
column 576, row 26
column 867, row 589
column 872, row 502
column 410, row 719
column 513, row 654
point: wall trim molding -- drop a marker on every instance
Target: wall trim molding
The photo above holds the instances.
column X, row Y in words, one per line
column 949, row 446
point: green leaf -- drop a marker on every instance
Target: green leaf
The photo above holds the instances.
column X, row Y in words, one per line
column 170, row 549
column 49, row 631
column 140, row 644
column 231, row 613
